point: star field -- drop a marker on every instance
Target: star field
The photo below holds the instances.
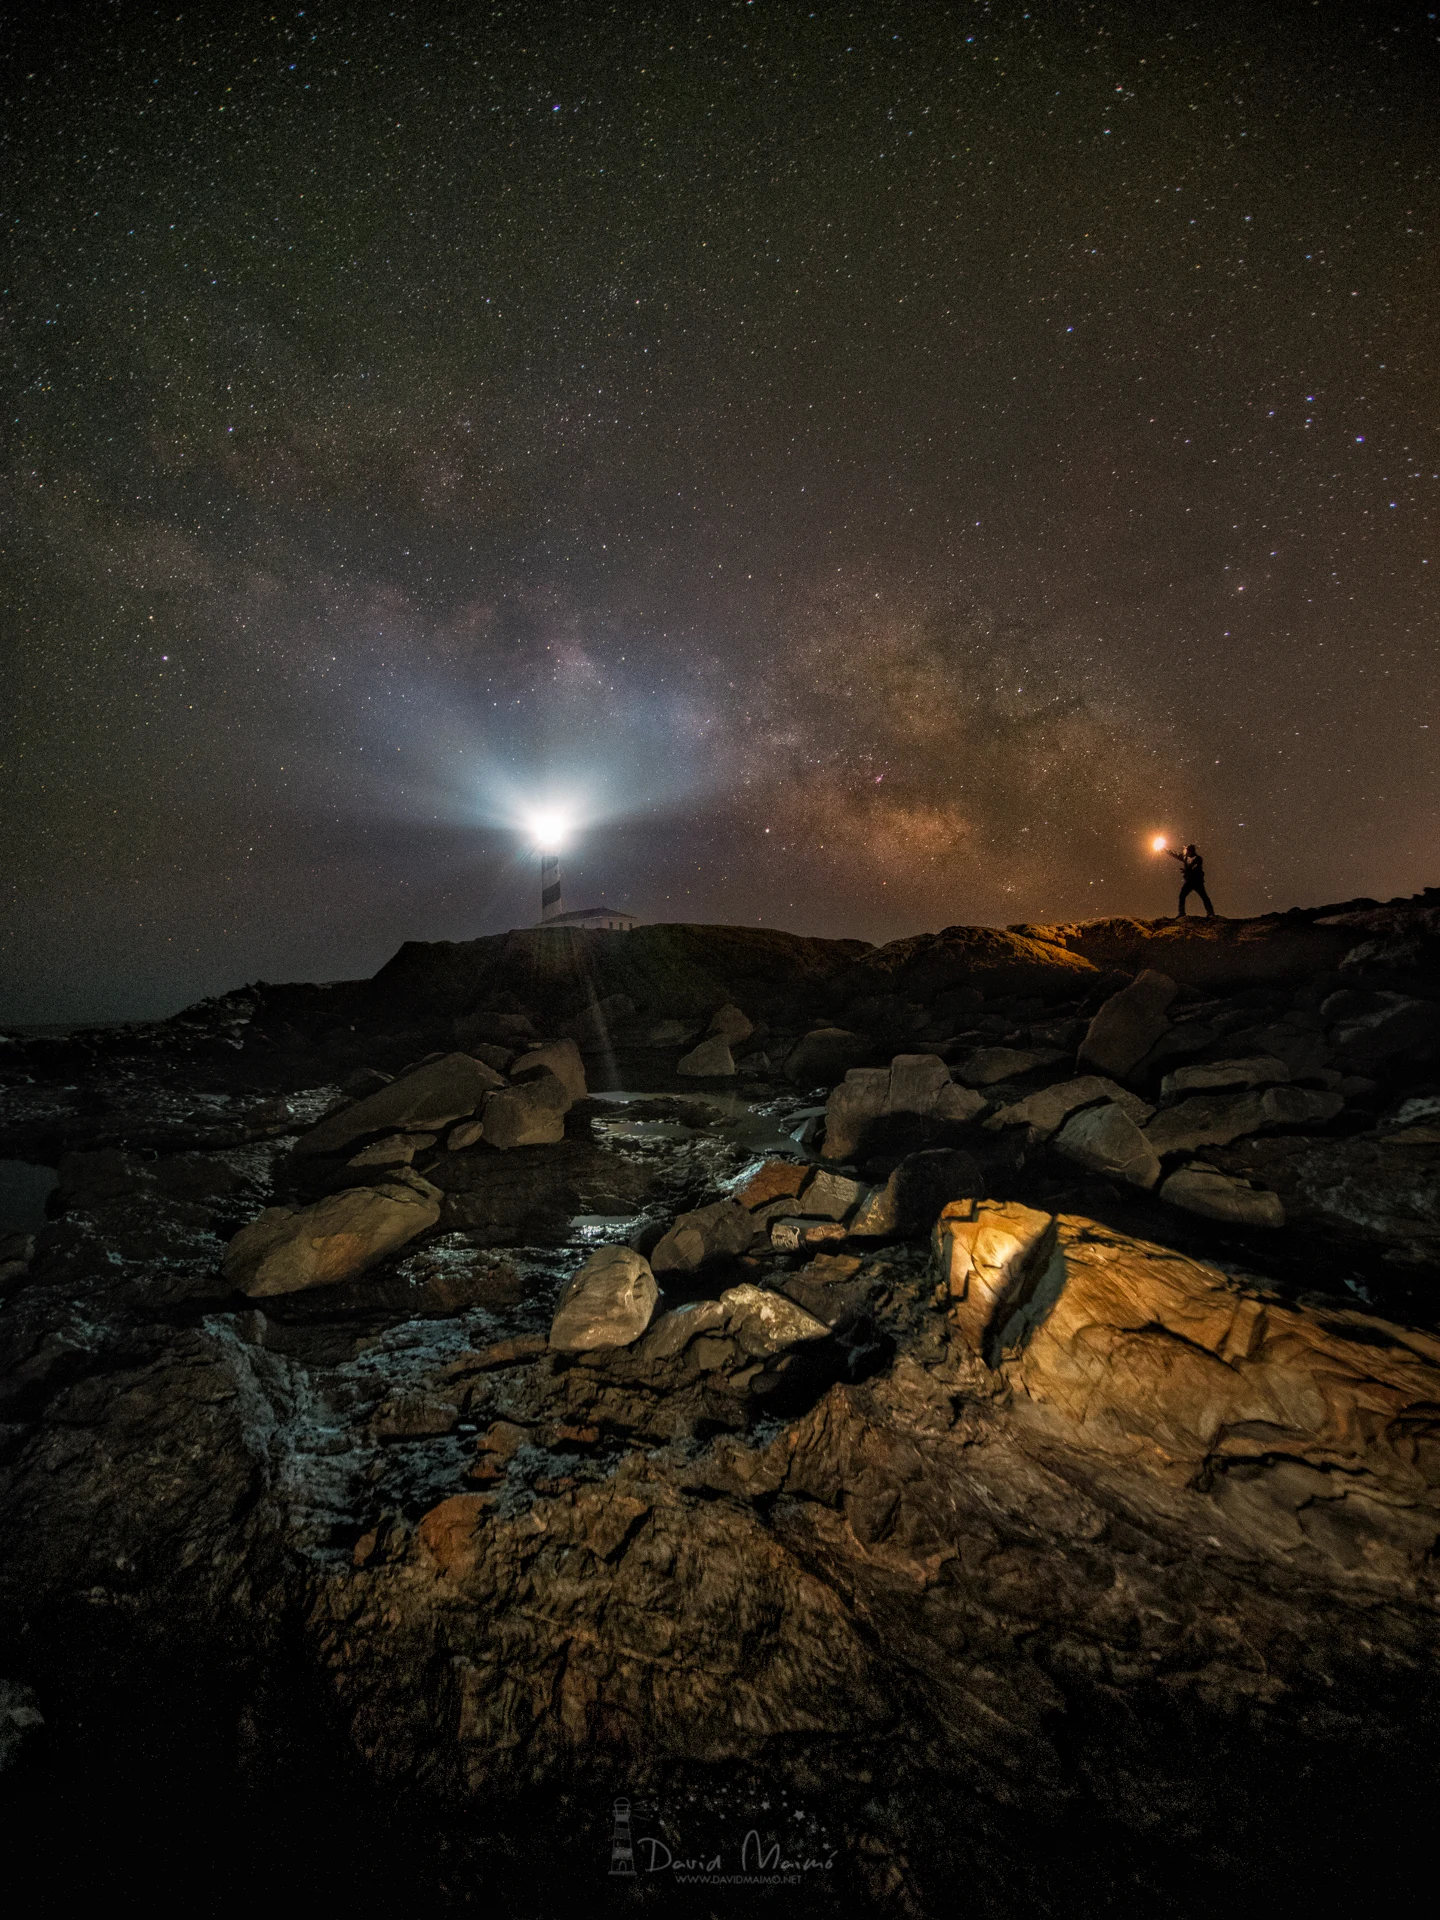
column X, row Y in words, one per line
column 878, row 464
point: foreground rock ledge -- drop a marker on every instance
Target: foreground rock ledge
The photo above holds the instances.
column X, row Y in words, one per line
column 1170, row 1495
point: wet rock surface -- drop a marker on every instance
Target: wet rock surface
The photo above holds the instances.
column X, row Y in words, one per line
column 1060, row 1527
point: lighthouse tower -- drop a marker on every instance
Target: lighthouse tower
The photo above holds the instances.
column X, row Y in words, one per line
column 551, row 903
column 622, row 1847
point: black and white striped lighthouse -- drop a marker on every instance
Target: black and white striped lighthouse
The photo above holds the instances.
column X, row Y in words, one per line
column 551, row 903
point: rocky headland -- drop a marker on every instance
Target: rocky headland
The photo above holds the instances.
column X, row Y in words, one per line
column 965, row 1413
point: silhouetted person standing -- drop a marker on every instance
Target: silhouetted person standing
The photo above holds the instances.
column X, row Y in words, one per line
column 1192, row 872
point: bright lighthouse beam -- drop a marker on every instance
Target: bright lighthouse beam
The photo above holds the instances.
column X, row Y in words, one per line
column 548, row 829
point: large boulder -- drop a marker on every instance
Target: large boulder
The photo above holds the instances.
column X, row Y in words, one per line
column 731, row 1024
column 1372, row 1031
column 747, row 1323
column 531, row 1114
column 823, row 1056
column 917, row 1084
column 853, row 1108
column 596, row 1025
column 832, row 1196
column 915, row 1193
column 289, row 1249
column 987, row 1065
column 765, row 1323
column 560, row 1057
column 1106, row 1140
column 429, row 1096
column 609, row 1303
column 1129, row 1024
column 1219, row 1196
column 706, row 1234
column 1178, row 1368
column 711, row 1060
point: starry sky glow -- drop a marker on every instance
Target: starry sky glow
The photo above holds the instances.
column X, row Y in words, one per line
column 872, row 467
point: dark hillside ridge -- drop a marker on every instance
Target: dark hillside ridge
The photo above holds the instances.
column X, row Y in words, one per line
column 685, row 970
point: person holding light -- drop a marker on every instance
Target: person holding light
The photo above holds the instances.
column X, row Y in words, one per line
column 1192, row 875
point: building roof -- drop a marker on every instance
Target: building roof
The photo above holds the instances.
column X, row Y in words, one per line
column 578, row 915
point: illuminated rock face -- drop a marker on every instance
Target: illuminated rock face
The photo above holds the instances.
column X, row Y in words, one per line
column 288, row 1249
column 609, row 1303
column 1076, row 1537
column 1175, row 1365
column 990, row 1256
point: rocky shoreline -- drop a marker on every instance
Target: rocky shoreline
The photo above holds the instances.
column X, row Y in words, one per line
column 967, row 1411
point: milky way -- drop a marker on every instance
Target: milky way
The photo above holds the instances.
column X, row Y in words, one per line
column 879, row 466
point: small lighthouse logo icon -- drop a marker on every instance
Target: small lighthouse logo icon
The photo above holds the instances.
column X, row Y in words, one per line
column 622, row 1848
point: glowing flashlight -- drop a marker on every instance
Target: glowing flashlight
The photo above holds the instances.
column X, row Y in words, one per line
column 1157, row 845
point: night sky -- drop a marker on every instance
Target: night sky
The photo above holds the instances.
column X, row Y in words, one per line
column 874, row 466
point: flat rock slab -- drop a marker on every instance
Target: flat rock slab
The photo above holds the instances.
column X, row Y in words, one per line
column 430, row 1096
column 987, row 1065
column 1216, row 1076
column 1219, row 1196
column 289, row 1249
column 776, row 1180
column 1047, row 1110
column 832, row 1196
column 1217, row 1119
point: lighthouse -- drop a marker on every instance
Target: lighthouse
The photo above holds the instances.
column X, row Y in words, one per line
column 548, row 832
column 622, row 1847
column 552, row 904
